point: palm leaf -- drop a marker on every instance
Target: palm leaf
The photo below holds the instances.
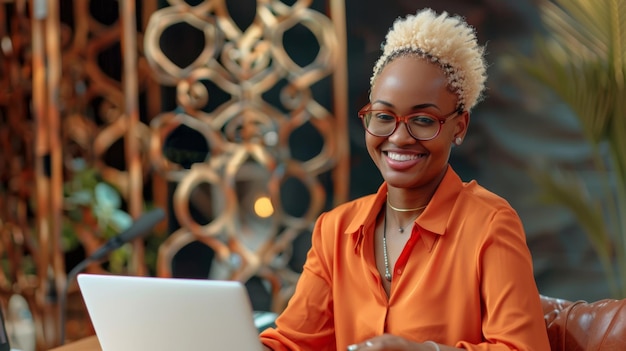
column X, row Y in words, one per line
column 577, row 38
column 583, row 87
column 566, row 189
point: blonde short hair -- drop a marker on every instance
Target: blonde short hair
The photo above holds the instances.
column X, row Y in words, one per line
column 445, row 40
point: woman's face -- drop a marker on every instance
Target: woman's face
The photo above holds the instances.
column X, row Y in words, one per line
column 405, row 86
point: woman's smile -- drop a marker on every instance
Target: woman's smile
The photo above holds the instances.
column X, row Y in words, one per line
column 403, row 160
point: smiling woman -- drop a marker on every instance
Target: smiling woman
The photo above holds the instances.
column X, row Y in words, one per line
column 385, row 271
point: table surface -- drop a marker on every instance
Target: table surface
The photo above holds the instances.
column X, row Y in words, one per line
column 87, row 344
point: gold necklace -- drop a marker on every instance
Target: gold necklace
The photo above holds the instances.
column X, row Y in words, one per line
column 405, row 209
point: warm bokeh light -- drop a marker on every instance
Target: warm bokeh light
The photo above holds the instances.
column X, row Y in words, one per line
column 263, row 207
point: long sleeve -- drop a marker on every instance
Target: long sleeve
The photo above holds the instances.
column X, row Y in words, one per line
column 512, row 314
column 307, row 322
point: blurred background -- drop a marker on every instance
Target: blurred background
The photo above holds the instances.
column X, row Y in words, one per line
column 239, row 119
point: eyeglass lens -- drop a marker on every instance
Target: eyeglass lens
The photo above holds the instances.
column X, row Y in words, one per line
column 384, row 123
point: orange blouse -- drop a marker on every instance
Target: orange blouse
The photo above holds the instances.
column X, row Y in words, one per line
column 467, row 280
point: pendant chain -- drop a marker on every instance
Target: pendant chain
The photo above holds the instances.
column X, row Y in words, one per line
column 411, row 222
column 385, row 257
column 400, row 229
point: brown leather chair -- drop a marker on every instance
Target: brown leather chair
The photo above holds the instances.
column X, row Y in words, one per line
column 585, row 326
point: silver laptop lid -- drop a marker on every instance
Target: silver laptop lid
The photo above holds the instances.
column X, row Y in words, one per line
column 165, row 314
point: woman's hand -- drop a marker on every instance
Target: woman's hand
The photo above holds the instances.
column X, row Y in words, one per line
column 388, row 342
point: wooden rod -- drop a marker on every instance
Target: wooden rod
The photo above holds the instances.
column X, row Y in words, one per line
column 131, row 112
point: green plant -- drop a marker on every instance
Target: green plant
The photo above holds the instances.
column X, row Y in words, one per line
column 94, row 212
column 582, row 58
column 95, row 207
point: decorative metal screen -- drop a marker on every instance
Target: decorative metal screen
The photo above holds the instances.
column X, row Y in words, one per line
column 230, row 115
column 257, row 141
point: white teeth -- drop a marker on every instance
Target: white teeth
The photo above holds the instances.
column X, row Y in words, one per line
column 402, row 157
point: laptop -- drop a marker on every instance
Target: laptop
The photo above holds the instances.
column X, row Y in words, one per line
column 132, row 313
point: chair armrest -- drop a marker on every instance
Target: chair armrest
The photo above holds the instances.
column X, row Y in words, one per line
column 582, row 326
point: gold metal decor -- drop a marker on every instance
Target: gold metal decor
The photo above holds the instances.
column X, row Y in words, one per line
column 250, row 158
column 58, row 104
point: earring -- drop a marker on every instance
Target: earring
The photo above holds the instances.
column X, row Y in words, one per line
column 458, row 141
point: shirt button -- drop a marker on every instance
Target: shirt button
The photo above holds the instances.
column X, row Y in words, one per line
column 399, row 271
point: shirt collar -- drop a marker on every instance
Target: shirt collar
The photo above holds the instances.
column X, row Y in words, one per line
column 435, row 217
column 433, row 220
column 368, row 218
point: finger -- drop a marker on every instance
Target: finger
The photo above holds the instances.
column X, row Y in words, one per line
column 355, row 347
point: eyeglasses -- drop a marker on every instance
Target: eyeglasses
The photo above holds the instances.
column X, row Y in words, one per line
column 421, row 125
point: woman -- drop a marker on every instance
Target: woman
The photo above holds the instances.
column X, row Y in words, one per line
column 428, row 262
